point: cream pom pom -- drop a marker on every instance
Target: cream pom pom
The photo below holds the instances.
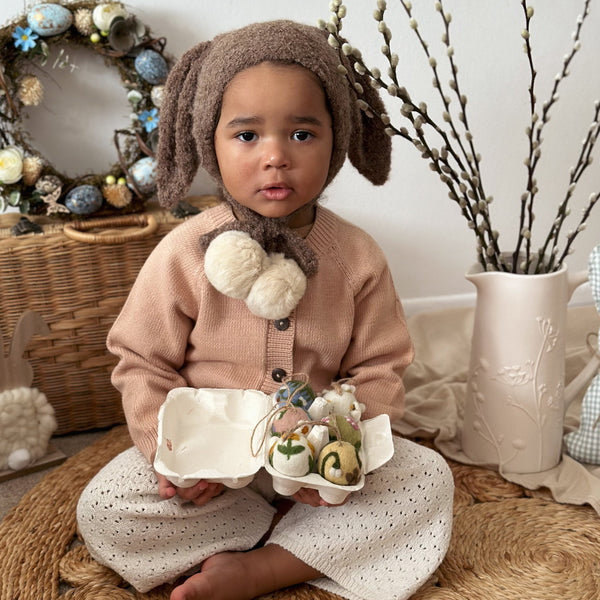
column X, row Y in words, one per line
column 278, row 289
column 19, row 459
column 232, row 263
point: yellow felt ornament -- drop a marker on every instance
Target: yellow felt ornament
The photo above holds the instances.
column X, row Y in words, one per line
column 339, row 463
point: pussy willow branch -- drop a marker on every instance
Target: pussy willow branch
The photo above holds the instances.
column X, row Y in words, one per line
column 530, row 161
column 583, row 162
column 580, row 227
column 473, row 166
column 458, row 166
column 473, row 158
column 534, row 133
column 460, row 177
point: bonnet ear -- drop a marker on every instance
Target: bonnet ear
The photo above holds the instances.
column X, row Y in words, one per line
column 370, row 147
column 177, row 155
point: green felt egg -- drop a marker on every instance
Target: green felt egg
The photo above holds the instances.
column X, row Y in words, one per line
column 348, row 429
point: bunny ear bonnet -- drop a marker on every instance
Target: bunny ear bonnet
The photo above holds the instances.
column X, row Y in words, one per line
column 191, row 106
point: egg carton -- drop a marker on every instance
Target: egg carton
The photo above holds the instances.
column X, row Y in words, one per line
column 216, row 435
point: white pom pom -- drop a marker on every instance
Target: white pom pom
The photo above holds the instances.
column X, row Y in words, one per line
column 19, row 459
column 278, row 289
column 232, row 263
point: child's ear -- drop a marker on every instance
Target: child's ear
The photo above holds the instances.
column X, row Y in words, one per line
column 370, row 147
column 177, row 155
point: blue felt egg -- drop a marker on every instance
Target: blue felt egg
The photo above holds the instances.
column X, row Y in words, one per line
column 49, row 19
column 298, row 393
column 143, row 173
column 151, row 66
column 84, row 200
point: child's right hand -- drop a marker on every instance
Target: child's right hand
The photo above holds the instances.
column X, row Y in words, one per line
column 199, row 494
column 312, row 497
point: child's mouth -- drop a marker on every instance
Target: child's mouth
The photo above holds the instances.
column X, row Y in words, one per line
column 276, row 192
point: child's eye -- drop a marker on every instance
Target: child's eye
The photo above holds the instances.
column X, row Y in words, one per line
column 301, row 136
column 246, row 136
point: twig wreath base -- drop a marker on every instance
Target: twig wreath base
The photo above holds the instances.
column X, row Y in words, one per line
column 28, row 180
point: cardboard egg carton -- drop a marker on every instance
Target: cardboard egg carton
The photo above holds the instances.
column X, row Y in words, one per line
column 216, row 435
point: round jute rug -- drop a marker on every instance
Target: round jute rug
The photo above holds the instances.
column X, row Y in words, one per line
column 41, row 557
column 508, row 543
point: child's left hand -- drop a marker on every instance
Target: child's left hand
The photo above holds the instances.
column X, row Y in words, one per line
column 199, row 494
column 312, row 497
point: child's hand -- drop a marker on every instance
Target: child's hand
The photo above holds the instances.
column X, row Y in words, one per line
column 199, row 494
column 312, row 497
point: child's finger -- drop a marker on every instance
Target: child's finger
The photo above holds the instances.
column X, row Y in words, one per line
column 308, row 496
column 193, row 492
column 212, row 490
column 166, row 489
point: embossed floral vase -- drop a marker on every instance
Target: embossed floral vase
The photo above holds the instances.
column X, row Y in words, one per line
column 516, row 397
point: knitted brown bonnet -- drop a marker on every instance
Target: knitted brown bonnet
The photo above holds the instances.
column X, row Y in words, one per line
column 191, row 106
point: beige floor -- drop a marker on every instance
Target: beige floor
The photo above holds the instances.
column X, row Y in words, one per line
column 12, row 491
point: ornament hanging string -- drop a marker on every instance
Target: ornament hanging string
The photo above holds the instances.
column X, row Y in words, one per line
column 277, row 408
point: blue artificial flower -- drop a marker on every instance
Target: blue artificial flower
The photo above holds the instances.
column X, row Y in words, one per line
column 25, row 38
column 149, row 119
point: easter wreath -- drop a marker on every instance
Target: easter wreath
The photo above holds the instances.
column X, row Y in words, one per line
column 28, row 180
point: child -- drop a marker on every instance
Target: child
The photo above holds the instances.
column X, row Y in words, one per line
column 266, row 284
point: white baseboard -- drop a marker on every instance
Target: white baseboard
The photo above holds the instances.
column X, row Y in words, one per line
column 581, row 296
column 413, row 306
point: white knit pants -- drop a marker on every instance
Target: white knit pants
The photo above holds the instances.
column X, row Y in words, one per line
column 385, row 542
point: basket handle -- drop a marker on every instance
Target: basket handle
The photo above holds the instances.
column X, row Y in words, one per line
column 78, row 230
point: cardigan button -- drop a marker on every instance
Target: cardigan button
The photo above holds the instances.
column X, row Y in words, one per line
column 278, row 375
column 282, row 324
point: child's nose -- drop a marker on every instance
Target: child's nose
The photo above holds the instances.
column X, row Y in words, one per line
column 276, row 155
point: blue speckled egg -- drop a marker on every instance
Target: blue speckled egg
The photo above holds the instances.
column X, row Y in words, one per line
column 49, row 19
column 143, row 173
column 84, row 200
column 151, row 66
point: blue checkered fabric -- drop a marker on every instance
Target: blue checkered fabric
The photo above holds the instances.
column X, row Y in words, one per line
column 584, row 444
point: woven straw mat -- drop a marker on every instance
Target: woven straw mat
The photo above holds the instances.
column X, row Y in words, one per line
column 508, row 543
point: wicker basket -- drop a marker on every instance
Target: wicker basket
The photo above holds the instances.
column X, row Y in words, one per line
column 78, row 288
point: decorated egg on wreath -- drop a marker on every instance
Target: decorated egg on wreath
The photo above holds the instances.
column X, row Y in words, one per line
column 127, row 45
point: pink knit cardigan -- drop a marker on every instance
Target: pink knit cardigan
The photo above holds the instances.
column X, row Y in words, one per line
column 176, row 330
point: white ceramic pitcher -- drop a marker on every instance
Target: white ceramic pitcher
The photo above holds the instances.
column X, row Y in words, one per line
column 516, row 397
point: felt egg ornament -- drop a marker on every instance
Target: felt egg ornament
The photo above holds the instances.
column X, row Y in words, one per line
column 143, row 173
column 298, row 393
column 347, row 427
column 151, row 66
column 49, row 19
column 84, row 200
column 157, row 94
column 292, row 456
column 339, row 463
column 344, row 401
column 287, row 419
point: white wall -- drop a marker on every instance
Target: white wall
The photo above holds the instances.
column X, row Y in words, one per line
column 421, row 231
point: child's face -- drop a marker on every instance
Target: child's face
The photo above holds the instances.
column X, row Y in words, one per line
column 274, row 138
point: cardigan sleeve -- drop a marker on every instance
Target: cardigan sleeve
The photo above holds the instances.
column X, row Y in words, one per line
column 150, row 337
column 380, row 348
